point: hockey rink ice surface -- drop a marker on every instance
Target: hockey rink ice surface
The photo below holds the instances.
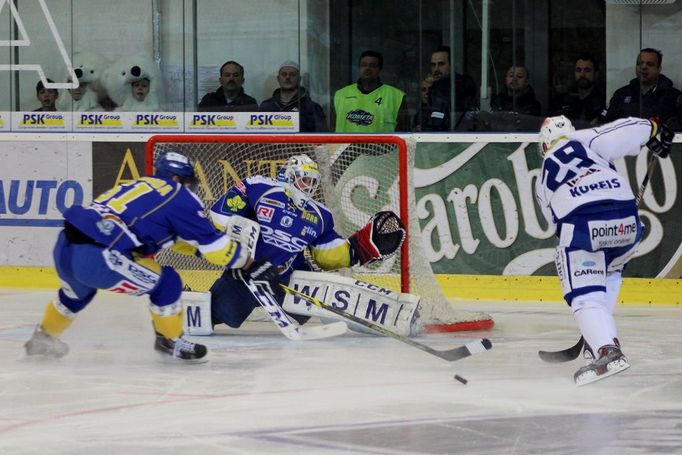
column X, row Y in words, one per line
column 356, row 394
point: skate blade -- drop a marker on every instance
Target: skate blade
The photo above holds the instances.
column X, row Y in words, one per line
column 589, row 377
column 166, row 358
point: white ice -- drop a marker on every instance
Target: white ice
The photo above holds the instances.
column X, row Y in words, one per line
column 356, row 394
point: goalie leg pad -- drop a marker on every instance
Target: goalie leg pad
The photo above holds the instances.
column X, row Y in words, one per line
column 196, row 312
column 392, row 310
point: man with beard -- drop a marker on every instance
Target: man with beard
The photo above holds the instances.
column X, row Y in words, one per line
column 369, row 105
column 230, row 95
column 585, row 102
column 650, row 94
column 292, row 97
column 436, row 114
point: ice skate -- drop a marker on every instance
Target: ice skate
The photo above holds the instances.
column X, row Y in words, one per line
column 181, row 349
column 45, row 345
column 588, row 355
column 611, row 361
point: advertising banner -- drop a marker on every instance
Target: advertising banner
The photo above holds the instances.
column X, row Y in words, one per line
column 242, row 122
column 38, row 181
column 35, row 121
column 150, row 122
column 114, row 163
column 476, row 204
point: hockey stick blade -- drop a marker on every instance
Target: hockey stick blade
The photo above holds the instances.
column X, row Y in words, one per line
column 290, row 328
column 565, row 355
column 450, row 355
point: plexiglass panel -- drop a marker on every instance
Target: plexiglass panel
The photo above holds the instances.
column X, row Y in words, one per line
column 339, row 65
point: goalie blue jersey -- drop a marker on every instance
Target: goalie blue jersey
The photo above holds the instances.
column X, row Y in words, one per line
column 145, row 216
column 286, row 231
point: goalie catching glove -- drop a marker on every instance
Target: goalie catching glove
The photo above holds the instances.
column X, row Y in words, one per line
column 381, row 238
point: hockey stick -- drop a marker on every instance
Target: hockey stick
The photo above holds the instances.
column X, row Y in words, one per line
column 288, row 326
column 645, row 181
column 565, row 355
column 450, row 355
column 572, row 353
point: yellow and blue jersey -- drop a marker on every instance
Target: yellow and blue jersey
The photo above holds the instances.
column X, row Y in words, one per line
column 147, row 215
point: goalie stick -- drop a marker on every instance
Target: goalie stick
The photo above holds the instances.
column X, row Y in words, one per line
column 572, row 353
column 288, row 326
column 450, row 355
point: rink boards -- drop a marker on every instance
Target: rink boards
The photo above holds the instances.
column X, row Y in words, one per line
column 484, row 235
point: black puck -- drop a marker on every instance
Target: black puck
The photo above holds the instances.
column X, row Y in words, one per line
column 461, row 379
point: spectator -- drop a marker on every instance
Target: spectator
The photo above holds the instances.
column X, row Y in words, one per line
column 517, row 94
column 230, row 95
column 47, row 97
column 424, row 91
column 650, row 94
column 370, row 106
column 585, row 102
column 292, row 97
column 435, row 116
column 139, row 99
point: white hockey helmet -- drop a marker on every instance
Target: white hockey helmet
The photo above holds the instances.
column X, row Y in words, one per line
column 302, row 176
column 551, row 130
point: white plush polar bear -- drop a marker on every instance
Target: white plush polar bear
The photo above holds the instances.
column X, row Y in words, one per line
column 119, row 78
column 88, row 67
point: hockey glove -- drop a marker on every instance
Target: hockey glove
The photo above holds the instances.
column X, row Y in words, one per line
column 264, row 275
column 657, row 147
column 381, row 238
column 667, row 136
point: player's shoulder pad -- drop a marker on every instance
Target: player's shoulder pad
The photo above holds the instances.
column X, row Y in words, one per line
column 261, row 180
column 191, row 198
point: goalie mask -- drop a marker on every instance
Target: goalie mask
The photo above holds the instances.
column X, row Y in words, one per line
column 301, row 176
column 551, row 130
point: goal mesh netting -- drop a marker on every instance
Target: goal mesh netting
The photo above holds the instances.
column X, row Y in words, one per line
column 361, row 175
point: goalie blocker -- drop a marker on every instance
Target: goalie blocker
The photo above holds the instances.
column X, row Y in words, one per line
column 396, row 311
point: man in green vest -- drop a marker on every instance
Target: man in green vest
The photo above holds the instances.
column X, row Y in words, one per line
column 370, row 106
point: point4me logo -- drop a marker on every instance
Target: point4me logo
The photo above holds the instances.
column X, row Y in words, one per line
column 24, row 40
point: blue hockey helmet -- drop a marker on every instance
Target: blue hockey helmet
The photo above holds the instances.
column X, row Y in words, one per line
column 168, row 164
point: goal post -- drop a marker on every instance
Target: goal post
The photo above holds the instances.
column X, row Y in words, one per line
column 361, row 175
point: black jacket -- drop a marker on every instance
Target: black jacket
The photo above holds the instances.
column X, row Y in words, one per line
column 216, row 101
column 435, row 116
column 311, row 115
column 581, row 111
column 522, row 102
column 659, row 101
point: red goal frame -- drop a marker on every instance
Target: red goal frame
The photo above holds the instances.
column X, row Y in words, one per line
column 399, row 142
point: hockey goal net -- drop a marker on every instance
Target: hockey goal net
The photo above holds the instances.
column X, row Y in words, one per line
column 361, row 175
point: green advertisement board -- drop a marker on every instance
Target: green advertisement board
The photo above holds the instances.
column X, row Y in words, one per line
column 478, row 214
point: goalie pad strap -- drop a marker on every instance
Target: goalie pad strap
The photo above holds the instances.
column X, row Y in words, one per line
column 245, row 232
column 393, row 310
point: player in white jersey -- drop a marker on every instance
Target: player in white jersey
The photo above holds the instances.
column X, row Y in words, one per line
column 597, row 223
